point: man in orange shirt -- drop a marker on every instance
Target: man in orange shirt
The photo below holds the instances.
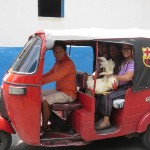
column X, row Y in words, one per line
column 64, row 73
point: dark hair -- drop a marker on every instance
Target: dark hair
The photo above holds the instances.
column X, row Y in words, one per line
column 117, row 45
column 130, row 46
column 61, row 44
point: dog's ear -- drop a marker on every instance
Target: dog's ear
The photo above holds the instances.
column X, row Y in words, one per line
column 102, row 59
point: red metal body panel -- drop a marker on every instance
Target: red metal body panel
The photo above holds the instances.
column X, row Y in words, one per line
column 25, row 110
column 6, row 126
column 135, row 109
column 143, row 123
column 83, row 120
column 133, row 117
column 21, row 79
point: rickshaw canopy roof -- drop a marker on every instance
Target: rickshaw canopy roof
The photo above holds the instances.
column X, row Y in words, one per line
column 139, row 38
column 95, row 33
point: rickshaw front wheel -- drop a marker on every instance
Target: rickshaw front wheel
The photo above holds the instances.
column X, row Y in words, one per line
column 145, row 138
column 5, row 140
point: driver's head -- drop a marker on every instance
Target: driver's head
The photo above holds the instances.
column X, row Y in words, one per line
column 59, row 50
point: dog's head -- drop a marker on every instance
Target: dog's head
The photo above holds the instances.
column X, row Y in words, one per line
column 107, row 65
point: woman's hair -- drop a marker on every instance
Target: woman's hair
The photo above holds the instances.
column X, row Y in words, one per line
column 130, row 46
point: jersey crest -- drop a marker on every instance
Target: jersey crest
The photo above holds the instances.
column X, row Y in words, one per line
column 146, row 56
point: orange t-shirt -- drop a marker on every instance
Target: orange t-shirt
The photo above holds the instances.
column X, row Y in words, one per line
column 64, row 73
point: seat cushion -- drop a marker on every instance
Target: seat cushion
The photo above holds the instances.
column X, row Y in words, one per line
column 118, row 103
column 66, row 106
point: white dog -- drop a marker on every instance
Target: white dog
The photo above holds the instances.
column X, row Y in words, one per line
column 105, row 83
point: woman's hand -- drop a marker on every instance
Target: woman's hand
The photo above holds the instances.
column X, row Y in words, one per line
column 125, row 77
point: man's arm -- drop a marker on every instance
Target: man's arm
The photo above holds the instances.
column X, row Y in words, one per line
column 59, row 74
column 48, row 73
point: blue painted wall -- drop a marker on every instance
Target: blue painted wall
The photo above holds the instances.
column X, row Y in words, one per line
column 7, row 55
column 82, row 57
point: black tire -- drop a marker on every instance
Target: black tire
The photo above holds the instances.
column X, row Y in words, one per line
column 5, row 140
column 145, row 138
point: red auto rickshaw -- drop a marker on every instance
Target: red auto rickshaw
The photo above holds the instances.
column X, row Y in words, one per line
column 20, row 93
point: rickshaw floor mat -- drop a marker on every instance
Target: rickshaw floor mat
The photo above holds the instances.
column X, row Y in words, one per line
column 108, row 130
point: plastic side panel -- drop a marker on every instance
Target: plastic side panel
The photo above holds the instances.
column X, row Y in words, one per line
column 144, row 122
column 87, row 102
column 83, row 123
column 83, row 119
column 6, row 126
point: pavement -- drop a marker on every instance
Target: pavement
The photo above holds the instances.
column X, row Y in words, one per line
column 120, row 143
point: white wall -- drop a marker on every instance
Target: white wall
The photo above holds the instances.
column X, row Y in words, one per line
column 19, row 18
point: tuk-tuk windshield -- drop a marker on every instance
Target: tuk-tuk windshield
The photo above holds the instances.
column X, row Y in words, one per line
column 27, row 61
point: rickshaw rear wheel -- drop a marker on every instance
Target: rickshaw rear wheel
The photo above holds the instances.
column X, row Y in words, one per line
column 145, row 138
column 5, row 140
